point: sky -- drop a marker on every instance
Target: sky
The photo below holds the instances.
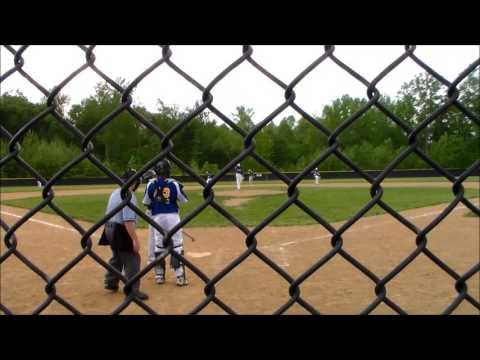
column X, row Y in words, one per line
column 244, row 85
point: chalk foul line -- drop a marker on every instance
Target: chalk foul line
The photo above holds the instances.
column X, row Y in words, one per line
column 278, row 246
column 46, row 223
column 288, row 243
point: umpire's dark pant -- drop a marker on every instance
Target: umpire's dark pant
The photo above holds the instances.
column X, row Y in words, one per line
column 127, row 261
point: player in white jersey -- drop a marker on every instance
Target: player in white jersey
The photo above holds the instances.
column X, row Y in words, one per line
column 238, row 175
column 316, row 175
column 251, row 175
column 209, row 177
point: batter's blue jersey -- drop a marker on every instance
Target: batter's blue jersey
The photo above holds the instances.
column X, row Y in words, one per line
column 162, row 196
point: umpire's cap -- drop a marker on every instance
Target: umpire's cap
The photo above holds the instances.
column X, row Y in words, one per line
column 149, row 175
column 163, row 168
column 128, row 174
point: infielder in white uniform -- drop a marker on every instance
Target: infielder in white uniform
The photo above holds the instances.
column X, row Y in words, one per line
column 238, row 175
column 316, row 174
column 162, row 195
column 251, row 175
column 209, row 177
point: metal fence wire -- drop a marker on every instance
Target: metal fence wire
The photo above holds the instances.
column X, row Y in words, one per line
column 251, row 248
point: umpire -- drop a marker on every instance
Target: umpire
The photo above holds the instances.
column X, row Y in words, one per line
column 120, row 233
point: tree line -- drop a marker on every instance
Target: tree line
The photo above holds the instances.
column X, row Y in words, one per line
column 371, row 142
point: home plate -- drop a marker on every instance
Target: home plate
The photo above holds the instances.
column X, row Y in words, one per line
column 198, row 254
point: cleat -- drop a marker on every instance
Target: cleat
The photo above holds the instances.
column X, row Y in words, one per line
column 160, row 280
column 111, row 287
column 181, row 281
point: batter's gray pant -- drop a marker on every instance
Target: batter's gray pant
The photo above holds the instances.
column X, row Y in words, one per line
column 127, row 261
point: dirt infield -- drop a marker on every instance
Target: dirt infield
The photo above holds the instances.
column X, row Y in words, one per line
column 378, row 242
column 237, row 201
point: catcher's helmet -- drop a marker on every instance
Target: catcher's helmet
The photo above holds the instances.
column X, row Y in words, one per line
column 163, row 168
column 128, row 174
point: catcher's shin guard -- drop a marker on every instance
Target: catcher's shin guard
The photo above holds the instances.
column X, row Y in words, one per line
column 180, row 272
column 160, row 270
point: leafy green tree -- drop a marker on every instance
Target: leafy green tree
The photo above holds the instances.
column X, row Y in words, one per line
column 426, row 95
column 372, row 141
column 212, row 168
column 16, row 111
column 284, row 150
column 119, row 139
column 264, row 141
column 243, row 118
column 450, row 152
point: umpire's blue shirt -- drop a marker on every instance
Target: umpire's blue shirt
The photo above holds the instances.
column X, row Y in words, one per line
column 125, row 214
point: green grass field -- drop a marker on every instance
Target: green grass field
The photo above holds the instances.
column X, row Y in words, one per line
column 331, row 203
column 11, row 189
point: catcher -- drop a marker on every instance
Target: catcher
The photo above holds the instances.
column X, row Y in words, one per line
column 162, row 196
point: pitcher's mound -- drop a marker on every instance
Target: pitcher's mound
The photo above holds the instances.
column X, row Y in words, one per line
column 244, row 196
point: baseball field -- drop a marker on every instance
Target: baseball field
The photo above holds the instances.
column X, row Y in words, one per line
column 293, row 240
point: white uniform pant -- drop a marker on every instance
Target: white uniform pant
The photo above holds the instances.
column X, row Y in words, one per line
column 167, row 222
column 316, row 179
column 151, row 241
column 239, row 178
column 250, row 179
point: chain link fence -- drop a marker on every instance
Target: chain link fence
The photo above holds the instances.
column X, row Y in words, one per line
column 251, row 248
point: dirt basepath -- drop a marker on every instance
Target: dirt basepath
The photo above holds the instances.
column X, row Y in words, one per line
column 378, row 242
column 29, row 194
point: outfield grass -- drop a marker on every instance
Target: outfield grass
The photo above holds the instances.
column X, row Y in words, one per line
column 259, row 183
column 332, row 204
column 412, row 179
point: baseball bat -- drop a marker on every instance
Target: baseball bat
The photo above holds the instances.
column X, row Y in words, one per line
column 190, row 236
